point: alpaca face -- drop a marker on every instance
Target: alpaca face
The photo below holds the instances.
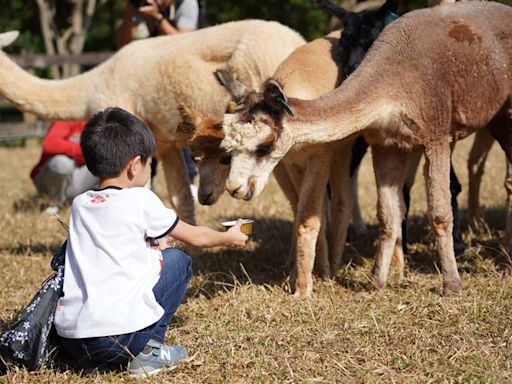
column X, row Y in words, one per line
column 256, row 145
column 204, row 134
column 213, row 168
column 212, row 163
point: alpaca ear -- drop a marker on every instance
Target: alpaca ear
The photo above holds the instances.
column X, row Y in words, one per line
column 274, row 96
column 236, row 89
column 335, row 10
column 231, row 107
column 191, row 120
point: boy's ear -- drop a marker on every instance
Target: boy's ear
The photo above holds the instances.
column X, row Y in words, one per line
column 134, row 165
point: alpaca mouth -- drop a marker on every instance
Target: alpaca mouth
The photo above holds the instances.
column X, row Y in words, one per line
column 206, row 199
column 250, row 193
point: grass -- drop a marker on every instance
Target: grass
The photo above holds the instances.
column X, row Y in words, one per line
column 244, row 326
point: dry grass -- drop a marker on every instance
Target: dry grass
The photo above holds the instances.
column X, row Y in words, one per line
column 245, row 327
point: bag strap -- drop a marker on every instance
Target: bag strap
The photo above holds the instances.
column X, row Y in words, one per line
column 59, row 258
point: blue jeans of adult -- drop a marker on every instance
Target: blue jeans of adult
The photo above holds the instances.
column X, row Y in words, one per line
column 110, row 352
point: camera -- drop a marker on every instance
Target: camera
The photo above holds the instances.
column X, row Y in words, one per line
column 138, row 3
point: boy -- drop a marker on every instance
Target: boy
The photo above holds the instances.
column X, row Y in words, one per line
column 119, row 293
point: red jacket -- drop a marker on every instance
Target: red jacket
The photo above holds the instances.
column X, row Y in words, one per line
column 63, row 138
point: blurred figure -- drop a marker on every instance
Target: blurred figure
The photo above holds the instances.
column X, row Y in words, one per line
column 61, row 174
column 145, row 18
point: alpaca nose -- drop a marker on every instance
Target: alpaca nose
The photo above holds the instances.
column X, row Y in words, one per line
column 232, row 187
column 233, row 192
column 205, row 199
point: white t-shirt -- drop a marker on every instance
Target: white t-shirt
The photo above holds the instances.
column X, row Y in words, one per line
column 110, row 270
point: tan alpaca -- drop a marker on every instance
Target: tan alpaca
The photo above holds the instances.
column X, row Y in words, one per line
column 431, row 78
column 147, row 77
column 302, row 174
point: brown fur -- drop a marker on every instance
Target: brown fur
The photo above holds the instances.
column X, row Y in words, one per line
column 419, row 87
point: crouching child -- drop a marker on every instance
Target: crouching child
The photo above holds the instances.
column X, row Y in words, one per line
column 120, row 293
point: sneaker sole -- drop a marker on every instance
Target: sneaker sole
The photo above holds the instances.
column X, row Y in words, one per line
column 145, row 373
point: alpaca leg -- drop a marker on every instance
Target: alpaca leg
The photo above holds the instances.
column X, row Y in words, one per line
column 341, row 206
column 359, row 149
column 507, row 240
column 501, row 129
column 455, row 190
column 480, row 149
column 389, row 175
column 357, row 218
column 410, row 174
column 308, row 220
column 322, row 266
column 177, row 181
column 289, row 179
column 285, row 182
column 440, row 212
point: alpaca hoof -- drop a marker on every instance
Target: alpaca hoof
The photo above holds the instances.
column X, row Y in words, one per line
column 303, row 290
column 451, row 287
column 375, row 284
column 324, row 274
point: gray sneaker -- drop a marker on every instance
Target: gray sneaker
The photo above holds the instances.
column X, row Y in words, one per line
column 155, row 356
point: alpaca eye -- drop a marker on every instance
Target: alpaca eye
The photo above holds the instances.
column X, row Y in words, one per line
column 263, row 149
column 225, row 160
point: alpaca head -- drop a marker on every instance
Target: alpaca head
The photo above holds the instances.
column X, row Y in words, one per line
column 255, row 139
column 204, row 136
column 360, row 29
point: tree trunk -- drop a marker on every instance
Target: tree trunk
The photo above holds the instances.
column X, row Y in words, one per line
column 69, row 40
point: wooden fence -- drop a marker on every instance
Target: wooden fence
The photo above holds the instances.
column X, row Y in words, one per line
column 36, row 128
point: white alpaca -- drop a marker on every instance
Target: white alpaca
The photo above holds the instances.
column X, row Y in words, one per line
column 148, row 77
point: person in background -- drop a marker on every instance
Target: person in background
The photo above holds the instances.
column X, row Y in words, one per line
column 145, row 18
column 123, row 281
column 61, row 174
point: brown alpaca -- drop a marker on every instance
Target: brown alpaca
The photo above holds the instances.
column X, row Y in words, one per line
column 431, row 78
column 303, row 174
column 147, row 77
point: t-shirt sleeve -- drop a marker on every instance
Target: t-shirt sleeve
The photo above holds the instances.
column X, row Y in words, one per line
column 159, row 220
column 187, row 15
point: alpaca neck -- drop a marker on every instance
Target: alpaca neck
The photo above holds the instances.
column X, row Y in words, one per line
column 50, row 99
column 369, row 97
column 336, row 115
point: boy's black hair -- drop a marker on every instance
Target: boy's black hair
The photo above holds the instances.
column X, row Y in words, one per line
column 111, row 138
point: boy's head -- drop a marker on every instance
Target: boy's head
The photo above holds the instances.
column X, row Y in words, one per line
column 113, row 137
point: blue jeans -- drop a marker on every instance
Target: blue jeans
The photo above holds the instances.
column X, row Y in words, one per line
column 191, row 167
column 110, row 352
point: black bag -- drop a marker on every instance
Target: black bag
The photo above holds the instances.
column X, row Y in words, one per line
column 31, row 341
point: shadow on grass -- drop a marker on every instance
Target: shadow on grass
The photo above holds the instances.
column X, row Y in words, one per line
column 265, row 262
column 32, row 203
column 38, row 249
column 262, row 263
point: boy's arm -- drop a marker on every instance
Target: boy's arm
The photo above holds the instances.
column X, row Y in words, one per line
column 205, row 237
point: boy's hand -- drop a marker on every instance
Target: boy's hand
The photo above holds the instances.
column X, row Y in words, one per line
column 163, row 243
column 237, row 238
